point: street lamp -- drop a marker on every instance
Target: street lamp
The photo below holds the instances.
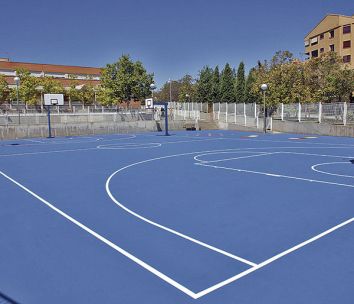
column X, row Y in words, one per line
column 264, row 88
column 152, row 88
column 17, row 82
column 170, row 82
column 188, row 97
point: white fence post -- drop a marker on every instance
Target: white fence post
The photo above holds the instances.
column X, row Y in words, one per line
column 299, row 112
column 244, row 113
column 319, row 112
column 213, row 110
column 282, row 112
column 184, row 111
column 345, row 113
column 226, row 109
column 219, row 112
column 235, row 113
column 255, row 110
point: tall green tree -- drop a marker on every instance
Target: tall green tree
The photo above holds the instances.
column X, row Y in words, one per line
column 240, row 83
column 249, row 95
column 204, row 85
column 4, row 89
column 187, row 90
column 164, row 93
column 126, row 79
column 216, row 85
column 28, row 92
column 227, row 85
column 71, row 91
column 50, row 85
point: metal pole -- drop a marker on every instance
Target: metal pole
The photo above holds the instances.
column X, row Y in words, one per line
column 265, row 113
column 166, row 120
column 49, row 126
column 170, row 90
column 18, row 105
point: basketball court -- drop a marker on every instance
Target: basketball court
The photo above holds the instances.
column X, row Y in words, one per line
column 194, row 217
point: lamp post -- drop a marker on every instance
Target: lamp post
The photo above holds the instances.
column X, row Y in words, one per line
column 152, row 88
column 17, row 82
column 170, row 82
column 264, row 88
column 188, row 97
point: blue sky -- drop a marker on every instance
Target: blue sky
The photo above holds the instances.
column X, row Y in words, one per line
column 171, row 38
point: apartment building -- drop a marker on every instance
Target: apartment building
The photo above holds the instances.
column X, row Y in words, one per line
column 63, row 73
column 335, row 33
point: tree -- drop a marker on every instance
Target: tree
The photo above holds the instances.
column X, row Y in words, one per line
column 216, row 85
column 204, row 91
column 187, row 88
column 240, row 83
column 86, row 94
column 28, row 92
column 51, row 85
column 4, row 89
column 126, row 79
column 249, row 95
column 71, row 90
column 227, row 85
column 164, row 93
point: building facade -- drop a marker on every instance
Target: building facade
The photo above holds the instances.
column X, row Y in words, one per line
column 63, row 73
column 334, row 33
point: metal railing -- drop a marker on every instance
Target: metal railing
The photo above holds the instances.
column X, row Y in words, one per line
column 335, row 112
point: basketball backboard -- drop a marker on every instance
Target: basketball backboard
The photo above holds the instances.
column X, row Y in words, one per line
column 149, row 103
column 53, row 99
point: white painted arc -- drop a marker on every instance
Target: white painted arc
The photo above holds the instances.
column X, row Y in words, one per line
column 184, row 236
column 328, row 173
column 276, row 175
column 104, row 240
column 150, row 268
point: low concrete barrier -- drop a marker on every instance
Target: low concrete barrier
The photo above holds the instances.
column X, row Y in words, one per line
column 91, row 128
column 313, row 128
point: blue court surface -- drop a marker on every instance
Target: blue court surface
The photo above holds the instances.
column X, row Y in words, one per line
column 195, row 217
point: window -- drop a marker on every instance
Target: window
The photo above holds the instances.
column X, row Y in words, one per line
column 346, row 44
column 331, row 47
column 346, row 59
column 314, row 41
column 321, row 50
column 346, row 29
column 331, row 34
column 314, row 53
column 321, row 36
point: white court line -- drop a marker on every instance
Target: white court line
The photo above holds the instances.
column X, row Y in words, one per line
column 328, row 173
column 104, row 240
column 81, row 149
column 272, row 259
column 286, row 141
column 62, row 141
column 184, row 236
column 46, row 152
column 160, row 274
column 156, row 272
column 32, row 140
column 233, row 158
column 129, row 146
column 276, row 175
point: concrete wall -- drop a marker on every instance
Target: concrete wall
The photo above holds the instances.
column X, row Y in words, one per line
column 296, row 127
column 72, row 129
column 313, row 128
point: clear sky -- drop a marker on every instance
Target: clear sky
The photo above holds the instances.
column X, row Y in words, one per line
column 171, row 38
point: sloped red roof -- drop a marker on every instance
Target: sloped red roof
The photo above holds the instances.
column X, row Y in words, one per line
column 50, row 68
